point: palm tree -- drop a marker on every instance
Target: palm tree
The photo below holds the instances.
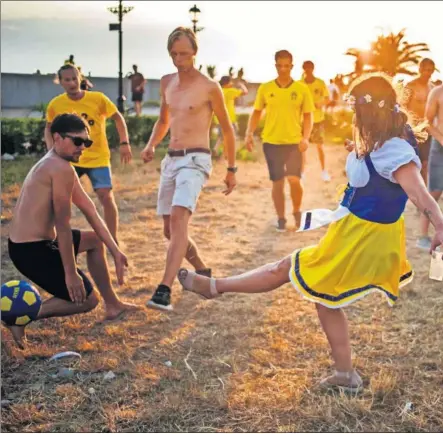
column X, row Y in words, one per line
column 211, row 70
column 389, row 53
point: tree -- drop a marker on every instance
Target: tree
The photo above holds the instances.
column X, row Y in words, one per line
column 211, row 70
column 389, row 53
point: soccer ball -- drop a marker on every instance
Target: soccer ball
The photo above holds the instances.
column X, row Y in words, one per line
column 20, row 302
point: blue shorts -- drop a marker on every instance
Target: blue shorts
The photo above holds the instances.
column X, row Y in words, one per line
column 435, row 167
column 100, row 176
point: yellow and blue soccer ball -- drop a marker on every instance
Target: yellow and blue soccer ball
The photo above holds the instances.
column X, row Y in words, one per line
column 20, row 302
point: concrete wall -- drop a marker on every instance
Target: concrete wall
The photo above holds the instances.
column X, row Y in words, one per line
column 20, row 93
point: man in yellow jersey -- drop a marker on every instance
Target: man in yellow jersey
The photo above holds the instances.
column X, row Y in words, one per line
column 230, row 94
column 95, row 162
column 288, row 125
column 320, row 95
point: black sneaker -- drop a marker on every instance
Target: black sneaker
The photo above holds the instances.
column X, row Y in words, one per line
column 161, row 299
column 207, row 272
column 281, row 225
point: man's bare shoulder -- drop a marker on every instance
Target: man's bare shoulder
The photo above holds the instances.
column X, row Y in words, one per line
column 166, row 79
column 57, row 168
column 437, row 92
column 412, row 84
column 211, row 84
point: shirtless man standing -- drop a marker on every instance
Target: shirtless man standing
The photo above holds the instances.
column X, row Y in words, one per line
column 419, row 89
column 434, row 115
column 188, row 101
column 42, row 245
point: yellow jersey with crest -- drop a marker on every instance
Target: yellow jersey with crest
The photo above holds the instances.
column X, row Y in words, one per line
column 284, row 108
column 319, row 92
column 230, row 94
column 94, row 108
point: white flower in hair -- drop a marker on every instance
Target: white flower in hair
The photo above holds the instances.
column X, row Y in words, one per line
column 381, row 104
column 368, row 98
column 350, row 99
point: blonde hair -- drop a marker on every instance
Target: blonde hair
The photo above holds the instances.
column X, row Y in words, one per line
column 180, row 32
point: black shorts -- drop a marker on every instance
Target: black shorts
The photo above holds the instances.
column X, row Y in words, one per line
column 282, row 160
column 40, row 261
column 424, row 149
column 137, row 96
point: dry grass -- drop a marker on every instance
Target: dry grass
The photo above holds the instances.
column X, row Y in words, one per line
column 241, row 363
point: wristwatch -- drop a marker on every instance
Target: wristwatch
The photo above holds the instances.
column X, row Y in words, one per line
column 124, row 143
column 233, row 169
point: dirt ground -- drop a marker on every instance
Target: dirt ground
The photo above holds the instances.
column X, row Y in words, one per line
column 241, row 363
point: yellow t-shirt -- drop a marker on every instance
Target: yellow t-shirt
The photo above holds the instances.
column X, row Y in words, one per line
column 95, row 108
column 319, row 92
column 230, row 94
column 284, row 109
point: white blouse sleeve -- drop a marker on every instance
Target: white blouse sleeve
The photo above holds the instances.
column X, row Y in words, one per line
column 356, row 171
column 392, row 155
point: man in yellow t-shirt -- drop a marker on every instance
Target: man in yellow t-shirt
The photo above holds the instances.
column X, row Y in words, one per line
column 288, row 124
column 230, row 94
column 95, row 162
column 320, row 94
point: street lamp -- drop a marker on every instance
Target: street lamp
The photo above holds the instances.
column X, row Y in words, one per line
column 120, row 11
column 194, row 12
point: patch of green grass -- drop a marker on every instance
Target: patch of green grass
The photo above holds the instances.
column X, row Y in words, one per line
column 14, row 172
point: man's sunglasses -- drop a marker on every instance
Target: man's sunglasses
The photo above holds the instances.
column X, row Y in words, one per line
column 79, row 141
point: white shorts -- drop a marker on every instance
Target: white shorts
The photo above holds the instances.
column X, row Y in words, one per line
column 182, row 180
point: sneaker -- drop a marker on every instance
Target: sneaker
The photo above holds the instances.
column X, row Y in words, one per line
column 281, row 225
column 325, row 176
column 207, row 272
column 424, row 243
column 161, row 299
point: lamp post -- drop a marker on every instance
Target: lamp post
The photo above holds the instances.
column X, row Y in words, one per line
column 194, row 12
column 120, row 10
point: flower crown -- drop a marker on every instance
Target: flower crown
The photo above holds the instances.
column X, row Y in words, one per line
column 367, row 99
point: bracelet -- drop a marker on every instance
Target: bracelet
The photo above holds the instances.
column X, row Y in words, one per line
column 124, row 143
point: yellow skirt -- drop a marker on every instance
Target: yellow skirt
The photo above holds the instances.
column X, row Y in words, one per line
column 354, row 258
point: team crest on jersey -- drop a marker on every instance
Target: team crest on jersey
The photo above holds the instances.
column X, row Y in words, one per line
column 293, row 95
column 90, row 122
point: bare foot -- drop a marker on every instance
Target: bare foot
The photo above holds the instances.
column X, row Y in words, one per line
column 120, row 310
column 19, row 335
column 200, row 285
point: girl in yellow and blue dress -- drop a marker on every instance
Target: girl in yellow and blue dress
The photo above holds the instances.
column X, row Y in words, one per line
column 364, row 249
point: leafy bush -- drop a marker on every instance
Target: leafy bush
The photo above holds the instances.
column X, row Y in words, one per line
column 16, row 132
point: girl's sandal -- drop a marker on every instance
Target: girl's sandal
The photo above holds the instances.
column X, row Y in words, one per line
column 205, row 289
column 348, row 382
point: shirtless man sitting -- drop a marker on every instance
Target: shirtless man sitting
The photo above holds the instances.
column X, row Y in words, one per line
column 188, row 101
column 42, row 245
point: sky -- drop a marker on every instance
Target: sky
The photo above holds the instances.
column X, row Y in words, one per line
column 41, row 34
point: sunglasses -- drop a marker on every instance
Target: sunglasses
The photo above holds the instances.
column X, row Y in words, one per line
column 79, row 141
